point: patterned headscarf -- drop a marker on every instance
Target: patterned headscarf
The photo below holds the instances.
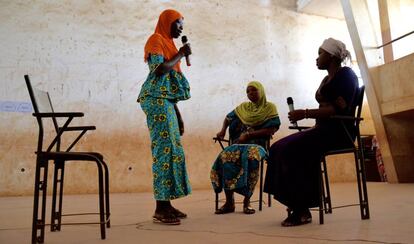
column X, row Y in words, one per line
column 161, row 42
column 253, row 114
column 336, row 48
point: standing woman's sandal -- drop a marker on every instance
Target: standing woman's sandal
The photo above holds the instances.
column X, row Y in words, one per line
column 166, row 219
column 178, row 213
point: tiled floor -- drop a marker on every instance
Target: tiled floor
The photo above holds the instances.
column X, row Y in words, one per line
column 391, row 206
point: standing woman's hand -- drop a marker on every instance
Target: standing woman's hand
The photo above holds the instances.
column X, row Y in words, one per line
column 179, row 119
column 185, row 50
column 181, row 126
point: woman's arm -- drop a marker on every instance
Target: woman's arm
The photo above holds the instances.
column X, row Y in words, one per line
column 222, row 133
column 340, row 95
column 169, row 64
column 260, row 133
column 319, row 113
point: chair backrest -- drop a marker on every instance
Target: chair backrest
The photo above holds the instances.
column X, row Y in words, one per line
column 358, row 101
column 41, row 104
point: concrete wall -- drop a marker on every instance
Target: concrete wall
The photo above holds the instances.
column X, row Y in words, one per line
column 400, row 18
column 388, row 82
column 393, row 83
column 89, row 56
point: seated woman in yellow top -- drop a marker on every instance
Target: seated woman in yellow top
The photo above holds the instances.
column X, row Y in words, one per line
column 236, row 169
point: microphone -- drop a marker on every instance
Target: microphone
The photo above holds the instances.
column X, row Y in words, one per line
column 184, row 40
column 291, row 108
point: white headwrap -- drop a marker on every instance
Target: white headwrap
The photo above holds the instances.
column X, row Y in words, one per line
column 336, row 48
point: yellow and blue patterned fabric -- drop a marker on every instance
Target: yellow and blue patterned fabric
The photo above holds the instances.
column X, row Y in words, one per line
column 170, row 179
column 157, row 99
column 172, row 85
column 237, row 168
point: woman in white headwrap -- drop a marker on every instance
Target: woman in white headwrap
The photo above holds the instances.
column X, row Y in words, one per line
column 293, row 166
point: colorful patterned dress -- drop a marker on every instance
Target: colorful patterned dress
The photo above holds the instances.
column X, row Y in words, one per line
column 237, row 166
column 158, row 96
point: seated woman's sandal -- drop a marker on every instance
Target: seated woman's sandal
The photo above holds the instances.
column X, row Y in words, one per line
column 226, row 208
column 248, row 210
column 296, row 218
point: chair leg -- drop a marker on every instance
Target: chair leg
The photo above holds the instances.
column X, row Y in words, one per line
column 362, row 187
column 261, row 186
column 101, row 200
column 40, row 187
column 62, row 177
column 217, row 200
column 269, row 200
column 326, row 189
column 107, row 208
column 365, row 191
column 56, row 216
column 321, row 195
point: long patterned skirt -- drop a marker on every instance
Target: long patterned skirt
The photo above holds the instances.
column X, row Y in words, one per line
column 170, row 179
column 237, row 168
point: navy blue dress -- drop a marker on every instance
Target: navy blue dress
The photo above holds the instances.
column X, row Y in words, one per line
column 293, row 165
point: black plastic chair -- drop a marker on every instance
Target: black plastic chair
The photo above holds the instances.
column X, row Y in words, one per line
column 325, row 204
column 43, row 109
column 262, row 162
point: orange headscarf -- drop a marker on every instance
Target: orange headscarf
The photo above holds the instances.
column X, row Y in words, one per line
column 161, row 42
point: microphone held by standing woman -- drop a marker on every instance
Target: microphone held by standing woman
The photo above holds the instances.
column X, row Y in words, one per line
column 184, row 40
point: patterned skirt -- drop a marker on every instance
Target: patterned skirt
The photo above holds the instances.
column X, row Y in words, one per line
column 170, row 179
column 237, row 168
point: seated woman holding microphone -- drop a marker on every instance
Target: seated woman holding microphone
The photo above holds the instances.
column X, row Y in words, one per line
column 236, row 169
column 293, row 165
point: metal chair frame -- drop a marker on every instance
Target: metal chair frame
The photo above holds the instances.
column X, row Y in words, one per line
column 60, row 158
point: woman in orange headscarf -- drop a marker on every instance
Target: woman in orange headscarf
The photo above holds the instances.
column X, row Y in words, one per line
column 163, row 88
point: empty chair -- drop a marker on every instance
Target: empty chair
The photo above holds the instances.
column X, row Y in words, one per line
column 43, row 110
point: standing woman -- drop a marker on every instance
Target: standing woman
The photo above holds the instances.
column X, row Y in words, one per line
column 163, row 88
column 293, row 166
